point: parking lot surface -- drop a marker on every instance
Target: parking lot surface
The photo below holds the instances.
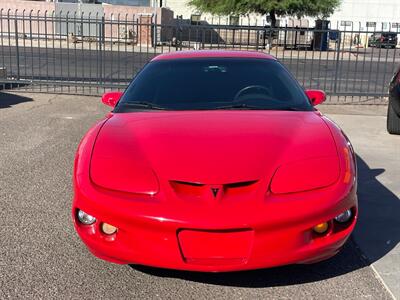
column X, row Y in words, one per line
column 42, row 257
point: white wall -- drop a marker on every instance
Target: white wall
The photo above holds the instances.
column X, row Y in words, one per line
column 362, row 11
column 180, row 7
column 357, row 11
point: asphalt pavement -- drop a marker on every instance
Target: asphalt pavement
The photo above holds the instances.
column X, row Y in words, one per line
column 42, row 257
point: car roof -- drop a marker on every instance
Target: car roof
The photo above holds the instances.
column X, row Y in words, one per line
column 213, row 54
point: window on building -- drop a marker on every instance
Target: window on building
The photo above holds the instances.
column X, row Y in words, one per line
column 345, row 23
column 385, row 26
column 396, row 25
column 195, row 19
column 371, row 24
column 234, row 20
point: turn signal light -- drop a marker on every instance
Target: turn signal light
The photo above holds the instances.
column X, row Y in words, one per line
column 321, row 228
column 108, row 229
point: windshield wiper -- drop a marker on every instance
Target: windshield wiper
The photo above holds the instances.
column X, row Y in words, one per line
column 290, row 108
column 253, row 107
column 239, row 106
column 142, row 104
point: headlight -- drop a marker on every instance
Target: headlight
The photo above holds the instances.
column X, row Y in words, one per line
column 116, row 164
column 85, row 218
column 306, row 175
column 344, row 216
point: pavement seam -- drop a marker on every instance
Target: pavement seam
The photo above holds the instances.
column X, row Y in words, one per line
column 368, row 262
column 379, row 277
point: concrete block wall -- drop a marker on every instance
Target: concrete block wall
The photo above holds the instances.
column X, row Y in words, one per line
column 30, row 10
column 39, row 25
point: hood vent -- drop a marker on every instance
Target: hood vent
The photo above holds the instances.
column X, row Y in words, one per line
column 201, row 191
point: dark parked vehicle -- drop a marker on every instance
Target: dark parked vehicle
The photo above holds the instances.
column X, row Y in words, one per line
column 393, row 117
column 383, row 40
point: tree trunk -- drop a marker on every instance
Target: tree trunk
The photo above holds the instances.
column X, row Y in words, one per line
column 273, row 18
column 273, row 25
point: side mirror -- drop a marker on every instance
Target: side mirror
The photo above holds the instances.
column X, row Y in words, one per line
column 111, row 98
column 316, row 96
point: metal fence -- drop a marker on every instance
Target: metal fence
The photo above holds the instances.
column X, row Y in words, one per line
column 96, row 53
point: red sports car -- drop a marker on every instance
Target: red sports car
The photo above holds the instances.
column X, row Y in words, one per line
column 214, row 161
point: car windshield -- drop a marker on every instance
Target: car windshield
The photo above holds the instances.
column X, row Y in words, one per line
column 214, row 83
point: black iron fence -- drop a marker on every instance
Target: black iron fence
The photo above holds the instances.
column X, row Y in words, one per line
column 88, row 54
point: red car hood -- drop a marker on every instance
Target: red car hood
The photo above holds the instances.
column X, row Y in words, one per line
column 134, row 152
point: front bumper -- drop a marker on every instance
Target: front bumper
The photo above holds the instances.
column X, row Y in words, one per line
column 277, row 232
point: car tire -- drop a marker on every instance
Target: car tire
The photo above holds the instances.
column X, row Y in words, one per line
column 393, row 121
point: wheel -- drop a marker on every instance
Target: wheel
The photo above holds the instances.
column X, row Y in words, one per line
column 393, row 121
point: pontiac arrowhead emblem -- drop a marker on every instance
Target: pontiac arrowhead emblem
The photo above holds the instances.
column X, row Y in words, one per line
column 215, row 191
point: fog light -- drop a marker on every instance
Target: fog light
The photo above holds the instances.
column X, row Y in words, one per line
column 321, row 228
column 344, row 216
column 85, row 218
column 108, row 229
